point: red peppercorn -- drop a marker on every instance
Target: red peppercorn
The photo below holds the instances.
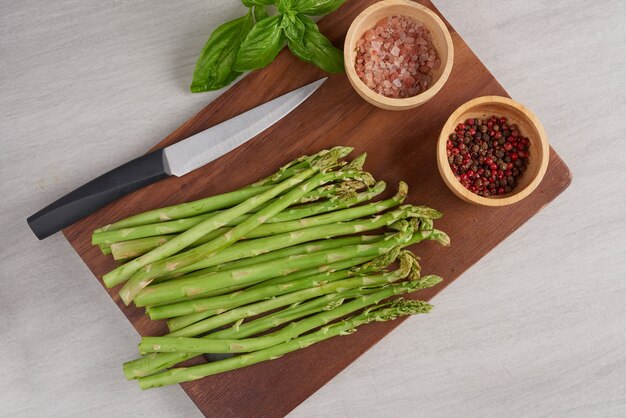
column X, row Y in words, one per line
column 489, row 160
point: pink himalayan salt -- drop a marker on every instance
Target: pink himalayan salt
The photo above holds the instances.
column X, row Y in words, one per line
column 396, row 56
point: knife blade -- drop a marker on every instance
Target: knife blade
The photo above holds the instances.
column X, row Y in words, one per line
column 176, row 160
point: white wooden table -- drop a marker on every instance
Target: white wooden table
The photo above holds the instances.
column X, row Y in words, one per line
column 537, row 328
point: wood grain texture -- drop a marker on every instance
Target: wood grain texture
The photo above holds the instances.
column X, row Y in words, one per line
column 401, row 146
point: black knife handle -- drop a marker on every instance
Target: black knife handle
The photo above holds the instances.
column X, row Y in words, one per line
column 97, row 193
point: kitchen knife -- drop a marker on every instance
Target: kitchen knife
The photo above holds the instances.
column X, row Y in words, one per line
column 176, row 160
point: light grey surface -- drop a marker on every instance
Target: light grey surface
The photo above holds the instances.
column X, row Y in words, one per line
column 537, row 328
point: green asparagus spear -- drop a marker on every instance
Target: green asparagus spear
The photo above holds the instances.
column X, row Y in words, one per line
column 384, row 312
column 252, row 248
column 136, row 247
column 174, row 324
column 146, row 275
column 218, row 304
column 212, row 203
column 198, row 286
column 232, row 315
column 183, row 240
column 293, row 330
column 156, row 362
column 341, row 199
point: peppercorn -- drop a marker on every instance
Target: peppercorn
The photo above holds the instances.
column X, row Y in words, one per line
column 487, row 156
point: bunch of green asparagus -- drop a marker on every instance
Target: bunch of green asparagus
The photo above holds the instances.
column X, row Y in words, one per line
column 286, row 254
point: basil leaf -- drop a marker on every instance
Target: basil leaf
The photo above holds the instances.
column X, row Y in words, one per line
column 262, row 44
column 294, row 30
column 250, row 3
column 316, row 48
column 260, row 13
column 316, row 7
column 285, row 5
column 215, row 66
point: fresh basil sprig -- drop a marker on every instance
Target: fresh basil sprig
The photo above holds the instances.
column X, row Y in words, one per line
column 316, row 7
column 215, row 66
column 253, row 41
column 260, row 12
column 314, row 47
column 262, row 44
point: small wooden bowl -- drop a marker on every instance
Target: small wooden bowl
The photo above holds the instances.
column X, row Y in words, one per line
column 442, row 42
column 529, row 126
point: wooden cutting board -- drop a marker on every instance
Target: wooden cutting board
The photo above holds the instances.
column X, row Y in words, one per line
column 401, row 146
